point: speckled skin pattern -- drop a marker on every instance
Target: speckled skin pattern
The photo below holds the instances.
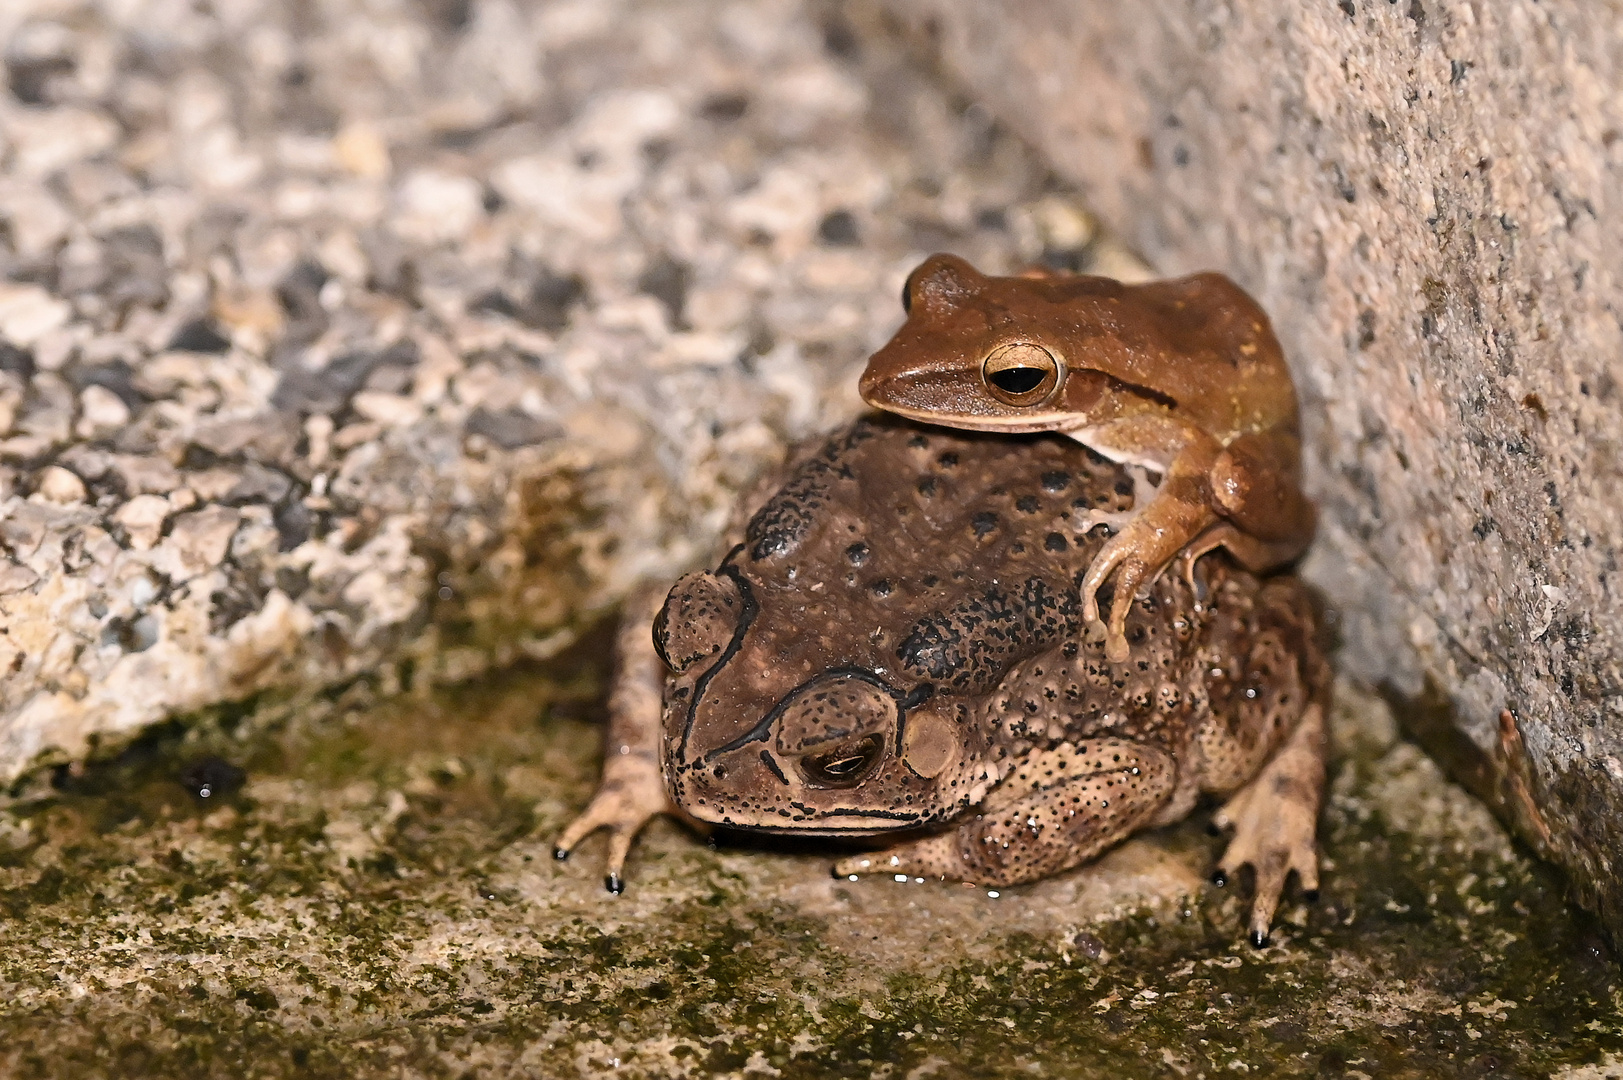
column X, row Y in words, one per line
column 897, row 643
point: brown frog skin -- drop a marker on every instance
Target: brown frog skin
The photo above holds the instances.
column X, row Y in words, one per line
column 1184, row 377
column 896, row 644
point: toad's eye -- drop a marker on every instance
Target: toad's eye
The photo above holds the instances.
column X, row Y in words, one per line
column 907, row 295
column 1021, row 373
column 845, row 766
column 698, row 620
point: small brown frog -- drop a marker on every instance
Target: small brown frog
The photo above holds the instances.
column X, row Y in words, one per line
column 896, row 644
column 1184, row 377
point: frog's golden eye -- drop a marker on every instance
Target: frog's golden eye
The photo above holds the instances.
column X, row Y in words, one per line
column 846, row 765
column 1020, row 373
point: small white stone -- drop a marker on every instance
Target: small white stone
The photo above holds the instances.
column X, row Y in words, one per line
column 100, row 412
column 390, row 410
column 142, row 518
column 15, row 577
column 201, row 538
column 37, row 220
column 28, row 313
column 48, row 139
column 59, row 485
column 435, row 206
column 146, row 475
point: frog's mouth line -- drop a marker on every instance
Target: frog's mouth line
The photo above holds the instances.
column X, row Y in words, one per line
column 883, row 821
column 1022, row 424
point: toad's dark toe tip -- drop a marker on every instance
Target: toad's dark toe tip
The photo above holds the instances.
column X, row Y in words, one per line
column 615, row 884
column 1311, row 896
column 1258, row 939
column 1219, row 878
column 560, row 853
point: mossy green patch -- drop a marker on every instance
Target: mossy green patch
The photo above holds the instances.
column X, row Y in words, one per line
column 379, row 898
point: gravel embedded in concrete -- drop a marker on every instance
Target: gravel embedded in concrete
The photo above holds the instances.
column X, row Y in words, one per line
column 335, row 338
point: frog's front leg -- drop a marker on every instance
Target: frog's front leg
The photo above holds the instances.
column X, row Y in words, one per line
column 1243, row 497
column 1255, row 485
column 1057, row 809
column 632, row 788
column 1180, row 511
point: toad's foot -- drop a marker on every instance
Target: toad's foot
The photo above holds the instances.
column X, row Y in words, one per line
column 1274, row 818
column 632, row 789
column 632, row 792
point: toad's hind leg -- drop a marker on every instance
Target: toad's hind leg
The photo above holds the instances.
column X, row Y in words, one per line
column 1057, row 809
column 1274, row 818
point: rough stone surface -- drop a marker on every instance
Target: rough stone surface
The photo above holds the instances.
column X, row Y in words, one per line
column 377, row 897
column 337, row 338
column 1426, row 197
column 351, row 350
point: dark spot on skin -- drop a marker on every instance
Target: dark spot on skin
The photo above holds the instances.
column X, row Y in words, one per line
column 1124, row 486
column 927, row 487
column 918, row 442
column 1027, row 504
column 983, row 523
column 947, row 460
column 1055, row 542
column 1056, row 480
column 857, row 553
column 880, row 588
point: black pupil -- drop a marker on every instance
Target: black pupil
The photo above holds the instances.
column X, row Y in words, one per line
column 847, row 764
column 907, row 295
column 1019, row 380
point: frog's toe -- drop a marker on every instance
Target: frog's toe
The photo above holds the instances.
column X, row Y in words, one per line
column 929, row 857
column 621, row 809
column 1275, row 839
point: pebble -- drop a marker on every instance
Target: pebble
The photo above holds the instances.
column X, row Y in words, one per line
column 58, row 485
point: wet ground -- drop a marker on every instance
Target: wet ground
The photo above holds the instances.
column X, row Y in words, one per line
column 367, row 889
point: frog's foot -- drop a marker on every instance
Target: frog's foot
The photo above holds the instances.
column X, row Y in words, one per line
column 1255, row 555
column 631, row 794
column 1275, row 818
column 1134, row 558
column 931, row 857
column 1057, row 809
